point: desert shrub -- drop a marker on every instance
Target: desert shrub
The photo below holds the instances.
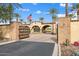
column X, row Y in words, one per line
column 66, row 43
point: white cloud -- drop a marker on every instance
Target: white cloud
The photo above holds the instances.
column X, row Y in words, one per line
column 62, row 4
column 70, row 5
column 22, row 9
column 70, row 12
column 27, row 9
column 61, row 15
column 38, row 12
column 73, row 12
column 20, row 3
column 14, row 19
column 34, row 3
column 46, row 12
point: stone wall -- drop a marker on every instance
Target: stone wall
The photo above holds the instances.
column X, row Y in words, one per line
column 14, row 31
column 9, row 31
column 4, row 32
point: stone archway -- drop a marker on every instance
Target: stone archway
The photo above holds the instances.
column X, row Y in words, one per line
column 46, row 29
column 36, row 29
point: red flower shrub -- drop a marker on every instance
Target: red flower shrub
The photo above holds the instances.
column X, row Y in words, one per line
column 76, row 43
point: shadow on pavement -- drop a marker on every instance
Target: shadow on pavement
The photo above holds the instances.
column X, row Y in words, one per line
column 54, row 39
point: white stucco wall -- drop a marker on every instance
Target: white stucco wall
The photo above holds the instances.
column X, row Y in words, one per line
column 74, row 31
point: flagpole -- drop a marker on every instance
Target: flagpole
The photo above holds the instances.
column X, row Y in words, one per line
column 30, row 18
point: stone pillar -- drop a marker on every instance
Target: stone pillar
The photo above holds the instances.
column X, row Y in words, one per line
column 63, row 29
column 54, row 28
column 40, row 30
column 14, row 31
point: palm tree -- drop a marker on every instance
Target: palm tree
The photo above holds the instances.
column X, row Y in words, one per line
column 71, row 16
column 53, row 12
column 76, row 7
column 1, row 9
column 3, row 14
column 54, row 17
column 17, row 5
column 8, row 8
column 17, row 16
column 5, row 17
column 41, row 19
column 10, row 11
column 66, row 7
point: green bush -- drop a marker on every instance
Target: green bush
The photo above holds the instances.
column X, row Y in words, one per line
column 66, row 43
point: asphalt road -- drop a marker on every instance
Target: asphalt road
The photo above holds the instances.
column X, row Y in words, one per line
column 27, row 48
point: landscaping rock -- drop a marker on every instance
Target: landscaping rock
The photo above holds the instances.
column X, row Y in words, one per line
column 70, row 50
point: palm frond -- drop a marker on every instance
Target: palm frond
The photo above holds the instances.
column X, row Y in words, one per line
column 53, row 11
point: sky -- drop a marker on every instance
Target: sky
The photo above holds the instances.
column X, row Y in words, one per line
column 40, row 10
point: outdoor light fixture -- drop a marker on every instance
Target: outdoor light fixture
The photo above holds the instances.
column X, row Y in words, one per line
column 57, row 29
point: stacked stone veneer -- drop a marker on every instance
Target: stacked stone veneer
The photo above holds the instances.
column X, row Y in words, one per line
column 64, row 30
column 10, row 31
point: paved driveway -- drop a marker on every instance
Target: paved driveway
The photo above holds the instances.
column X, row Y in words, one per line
column 34, row 46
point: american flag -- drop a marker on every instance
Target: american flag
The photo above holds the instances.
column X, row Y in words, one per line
column 29, row 17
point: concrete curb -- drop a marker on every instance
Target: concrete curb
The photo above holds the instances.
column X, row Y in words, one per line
column 55, row 52
column 59, row 50
column 8, row 42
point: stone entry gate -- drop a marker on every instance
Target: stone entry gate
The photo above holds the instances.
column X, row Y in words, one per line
column 68, row 30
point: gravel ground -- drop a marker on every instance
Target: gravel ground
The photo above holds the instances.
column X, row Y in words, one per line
column 69, row 50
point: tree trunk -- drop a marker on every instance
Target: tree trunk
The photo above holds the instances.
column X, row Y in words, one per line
column 66, row 9
column 10, row 21
column 10, row 17
column 17, row 19
column 78, row 13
